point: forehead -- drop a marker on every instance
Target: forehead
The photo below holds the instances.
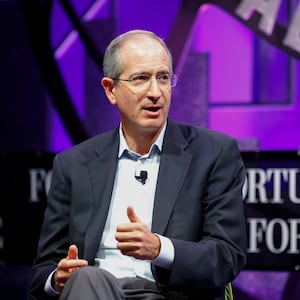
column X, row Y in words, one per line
column 141, row 53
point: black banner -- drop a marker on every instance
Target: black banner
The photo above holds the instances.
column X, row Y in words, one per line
column 272, row 208
column 24, row 182
column 272, row 199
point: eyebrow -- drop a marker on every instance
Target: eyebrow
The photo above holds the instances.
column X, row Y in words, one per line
column 149, row 73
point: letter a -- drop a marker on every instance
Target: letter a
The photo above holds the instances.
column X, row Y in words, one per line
column 268, row 10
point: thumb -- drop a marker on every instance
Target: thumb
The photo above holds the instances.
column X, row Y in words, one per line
column 73, row 252
column 131, row 215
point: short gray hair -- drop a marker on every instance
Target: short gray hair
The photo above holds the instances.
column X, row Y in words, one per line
column 112, row 64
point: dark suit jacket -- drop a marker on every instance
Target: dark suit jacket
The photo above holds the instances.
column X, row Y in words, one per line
column 198, row 205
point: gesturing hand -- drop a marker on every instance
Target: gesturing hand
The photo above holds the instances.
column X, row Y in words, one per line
column 66, row 267
column 135, row 239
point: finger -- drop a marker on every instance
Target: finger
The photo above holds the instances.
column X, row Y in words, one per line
column 73, row 252
column 131, row 215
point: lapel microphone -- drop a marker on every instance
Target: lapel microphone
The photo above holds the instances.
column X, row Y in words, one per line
column 142, row 177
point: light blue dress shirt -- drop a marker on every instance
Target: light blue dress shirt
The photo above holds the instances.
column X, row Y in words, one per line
column 128, row 191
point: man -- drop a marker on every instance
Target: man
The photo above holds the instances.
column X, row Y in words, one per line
column 151, row 210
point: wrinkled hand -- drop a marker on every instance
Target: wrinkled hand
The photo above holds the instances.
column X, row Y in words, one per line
column 66, row 267
column 135, row 239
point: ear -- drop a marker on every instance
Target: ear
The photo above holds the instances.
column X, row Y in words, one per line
column 109, row 88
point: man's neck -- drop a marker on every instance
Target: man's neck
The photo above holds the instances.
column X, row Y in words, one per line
column 140, row 142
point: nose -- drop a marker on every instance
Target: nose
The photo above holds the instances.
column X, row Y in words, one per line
column 154, row 90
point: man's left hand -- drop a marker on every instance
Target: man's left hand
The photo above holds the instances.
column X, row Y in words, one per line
column 135, row 239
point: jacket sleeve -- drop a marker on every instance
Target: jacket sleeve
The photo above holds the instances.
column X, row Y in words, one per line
column 53, row 243
column 219, row 254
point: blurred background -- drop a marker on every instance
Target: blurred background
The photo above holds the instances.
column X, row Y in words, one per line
column 238, row 63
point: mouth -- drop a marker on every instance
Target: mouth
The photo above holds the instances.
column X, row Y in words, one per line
column 153, row 108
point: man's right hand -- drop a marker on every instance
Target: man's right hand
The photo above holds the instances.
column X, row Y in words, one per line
column 66, row 267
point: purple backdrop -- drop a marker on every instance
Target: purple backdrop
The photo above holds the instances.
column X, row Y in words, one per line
column 252, row 91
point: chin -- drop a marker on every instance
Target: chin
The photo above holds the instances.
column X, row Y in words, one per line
column 154, row 124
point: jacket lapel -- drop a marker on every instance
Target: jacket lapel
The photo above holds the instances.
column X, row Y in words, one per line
column 102, row 173
column 174, row 165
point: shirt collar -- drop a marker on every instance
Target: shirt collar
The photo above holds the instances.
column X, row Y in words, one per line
column 156, row 145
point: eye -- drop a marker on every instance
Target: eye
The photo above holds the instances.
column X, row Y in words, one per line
column 164, row 78
column 140, row 79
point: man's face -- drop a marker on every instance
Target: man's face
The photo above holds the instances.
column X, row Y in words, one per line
column 143, row 107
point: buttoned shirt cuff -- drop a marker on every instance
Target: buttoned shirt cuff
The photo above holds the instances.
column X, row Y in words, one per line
column 49, row 290
column 166, row 255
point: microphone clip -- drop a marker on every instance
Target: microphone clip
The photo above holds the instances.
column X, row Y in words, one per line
column 142, row 177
